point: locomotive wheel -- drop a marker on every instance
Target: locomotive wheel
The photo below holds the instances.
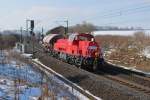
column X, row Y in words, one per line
column 95, row 66
column 78, row 62
column 67, row 59
column 102, row 62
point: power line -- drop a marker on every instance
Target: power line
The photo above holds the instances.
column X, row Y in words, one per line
column 122, row 12
column 124, row 21
column 132, row 6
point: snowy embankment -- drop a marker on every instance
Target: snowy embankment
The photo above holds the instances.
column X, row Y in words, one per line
column 9, row 74
column 70, row 88
column 23, row 81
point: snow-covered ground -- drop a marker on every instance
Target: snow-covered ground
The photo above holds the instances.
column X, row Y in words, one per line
column 7, row 90
column 146, row 52
column 122, row 33
column 31, row 85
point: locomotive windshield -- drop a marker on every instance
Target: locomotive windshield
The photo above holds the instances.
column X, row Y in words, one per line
column 81, row 37
column 86, row 37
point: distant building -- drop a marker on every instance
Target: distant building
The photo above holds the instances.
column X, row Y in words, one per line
column 20, row 47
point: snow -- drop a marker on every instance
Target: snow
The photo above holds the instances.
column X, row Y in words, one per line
column 27, row 55
column 122, row 33
column 146, row 52
column 32, row 86
column 1, row 93
column 29, row 93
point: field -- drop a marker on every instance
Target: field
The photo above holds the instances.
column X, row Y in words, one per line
column 129, row 51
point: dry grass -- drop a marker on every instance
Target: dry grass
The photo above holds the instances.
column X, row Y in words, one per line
column 129, row 59
column 127, row 50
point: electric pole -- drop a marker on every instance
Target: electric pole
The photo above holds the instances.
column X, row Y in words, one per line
column 42, row 34
column 42, row 30
column 21, row 35
column 32, row 35
column 66, row 26
column 66, row 29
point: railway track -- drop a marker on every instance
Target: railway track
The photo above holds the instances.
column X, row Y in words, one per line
column 127, row 79
column 144, row 81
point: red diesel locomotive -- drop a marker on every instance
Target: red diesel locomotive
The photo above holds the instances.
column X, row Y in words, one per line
column 78, row 49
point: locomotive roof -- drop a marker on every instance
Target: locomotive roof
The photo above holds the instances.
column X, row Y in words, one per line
column 87, row 35
column 82, row 34
column 72, row 36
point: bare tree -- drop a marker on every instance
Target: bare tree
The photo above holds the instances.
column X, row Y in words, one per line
column 82, row 28
column 7, row 41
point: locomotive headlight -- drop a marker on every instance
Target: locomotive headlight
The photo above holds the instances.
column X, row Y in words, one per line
column 96, row 54
column 92, row 47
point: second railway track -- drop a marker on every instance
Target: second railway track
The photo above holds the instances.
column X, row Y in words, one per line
column 136, row 86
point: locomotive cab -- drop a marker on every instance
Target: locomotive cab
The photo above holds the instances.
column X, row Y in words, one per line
column 86, row 45
column 86, row 48
column 75, row 38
